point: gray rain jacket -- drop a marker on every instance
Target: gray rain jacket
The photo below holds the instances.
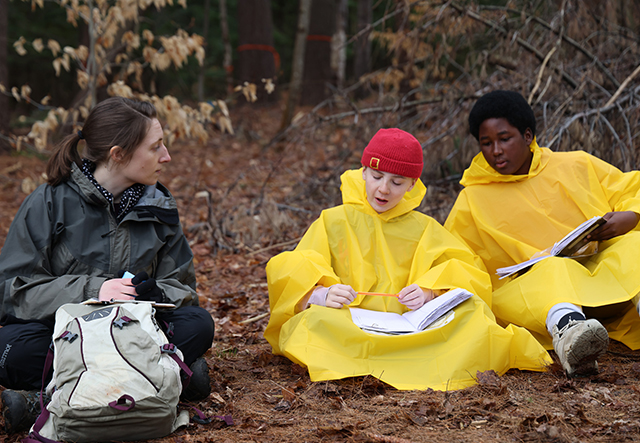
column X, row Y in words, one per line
column 64, row 242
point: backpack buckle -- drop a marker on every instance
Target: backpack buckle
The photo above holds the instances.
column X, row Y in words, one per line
column 122, row 322
column 169, row 348
column 68, row 336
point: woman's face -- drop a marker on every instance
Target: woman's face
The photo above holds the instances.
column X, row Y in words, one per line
column 504, row 147
column 146, row 163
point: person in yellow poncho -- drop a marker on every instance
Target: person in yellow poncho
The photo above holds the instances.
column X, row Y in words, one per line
column 520, row 199
column 376, row 242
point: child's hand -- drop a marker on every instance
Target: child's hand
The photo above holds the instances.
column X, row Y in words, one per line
column 413, row 296
column 618, row 223
column 340, row 295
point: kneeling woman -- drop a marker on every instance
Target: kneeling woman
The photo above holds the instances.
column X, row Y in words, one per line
column 73, row 237
column 377, row 242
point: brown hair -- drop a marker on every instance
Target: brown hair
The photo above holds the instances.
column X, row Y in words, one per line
column 116, row 121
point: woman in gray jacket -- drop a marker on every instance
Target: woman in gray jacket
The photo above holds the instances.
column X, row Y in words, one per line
column 73, row 238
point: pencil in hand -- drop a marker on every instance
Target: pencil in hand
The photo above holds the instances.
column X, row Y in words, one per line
column 382, row 294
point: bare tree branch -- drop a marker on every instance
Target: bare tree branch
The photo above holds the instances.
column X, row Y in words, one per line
column 564, row 37
column 624, row 84
column 566, row 77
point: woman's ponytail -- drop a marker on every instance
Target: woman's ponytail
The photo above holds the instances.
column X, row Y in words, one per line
column 59, row 164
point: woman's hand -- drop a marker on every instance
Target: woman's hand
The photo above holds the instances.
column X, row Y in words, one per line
column 414, row 297
column 117, row 289
column 618, row 223
column 340, row 295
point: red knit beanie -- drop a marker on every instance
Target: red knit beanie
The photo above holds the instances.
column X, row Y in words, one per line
column 395, row 151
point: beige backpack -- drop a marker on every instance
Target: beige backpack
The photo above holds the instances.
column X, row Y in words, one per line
column 115, row 376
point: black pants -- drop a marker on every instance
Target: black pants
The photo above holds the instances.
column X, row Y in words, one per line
column 24, row 345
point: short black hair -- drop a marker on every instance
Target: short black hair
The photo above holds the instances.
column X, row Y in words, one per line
column 509, row 105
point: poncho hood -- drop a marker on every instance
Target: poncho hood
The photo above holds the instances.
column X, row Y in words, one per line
column 480, row 172
column 354, row 193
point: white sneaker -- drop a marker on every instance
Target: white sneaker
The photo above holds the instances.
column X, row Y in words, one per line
column 579, row 344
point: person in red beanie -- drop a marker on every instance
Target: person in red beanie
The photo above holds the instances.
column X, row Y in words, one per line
column 375, row 252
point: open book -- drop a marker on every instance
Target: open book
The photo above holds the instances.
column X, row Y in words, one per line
column 571, row 243
column 412, row 321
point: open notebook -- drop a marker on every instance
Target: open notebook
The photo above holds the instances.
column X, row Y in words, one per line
column 412, row 321
column 566, row 247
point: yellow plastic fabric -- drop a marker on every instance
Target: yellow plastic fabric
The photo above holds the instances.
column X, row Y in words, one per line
column 352, row 244
column 506, row 219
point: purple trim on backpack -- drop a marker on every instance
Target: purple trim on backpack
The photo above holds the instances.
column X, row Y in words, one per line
column 48, row 362
column 115, row 345
column 170, row 349
column 168, row 329
column 34, row 436
column 121, row 403
column 84, row 363
column 225, row 418
column 199, row 418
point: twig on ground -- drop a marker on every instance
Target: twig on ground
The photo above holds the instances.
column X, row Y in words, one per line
column 254, row 319
column 277, row 245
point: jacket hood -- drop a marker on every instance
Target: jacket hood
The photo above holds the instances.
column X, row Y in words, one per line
column 354, row 193
column 480, row 172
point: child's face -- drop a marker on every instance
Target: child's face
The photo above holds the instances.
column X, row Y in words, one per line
column 504, row 147
column 385, row 190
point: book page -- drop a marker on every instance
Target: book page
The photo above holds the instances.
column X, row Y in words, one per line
column 436, row 308
column 380, row 321
column 520, row 267
column 576, row 239
column 565, row 247
column 412, row 321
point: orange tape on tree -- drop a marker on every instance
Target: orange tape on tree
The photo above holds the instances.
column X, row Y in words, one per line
column 319, row 38
column 268, row 48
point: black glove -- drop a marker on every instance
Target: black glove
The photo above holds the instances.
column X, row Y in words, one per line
column 147, row 288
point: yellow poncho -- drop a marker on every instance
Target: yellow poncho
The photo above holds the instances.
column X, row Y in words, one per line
column 354, row 245
column 505, row 219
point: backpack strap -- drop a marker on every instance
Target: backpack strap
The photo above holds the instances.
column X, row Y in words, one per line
column 202, row 419
column 199, row 418
column 121, row 403
column 170, row 349
column 34, row 436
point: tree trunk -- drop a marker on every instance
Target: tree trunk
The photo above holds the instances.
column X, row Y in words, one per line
column 4, row 72
column 338, row 47
column 405, row 60
column 317, row 60
column 227, row 62
column 92, row 67
column 362, row 47
column 257, row 58
column 205, row 36
column 297, row 69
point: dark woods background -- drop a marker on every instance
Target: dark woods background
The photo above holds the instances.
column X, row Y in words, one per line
column 342, row 69
column 366, row 64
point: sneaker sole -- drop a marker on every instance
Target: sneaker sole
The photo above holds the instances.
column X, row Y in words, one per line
column 586, row 349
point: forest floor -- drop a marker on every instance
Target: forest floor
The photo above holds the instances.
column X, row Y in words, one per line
column 242, row 201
